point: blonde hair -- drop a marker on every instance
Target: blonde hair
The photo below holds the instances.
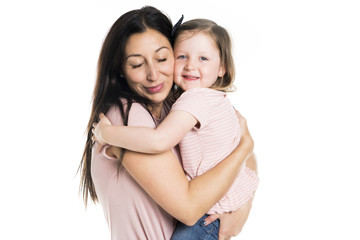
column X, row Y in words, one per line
column 223, row 42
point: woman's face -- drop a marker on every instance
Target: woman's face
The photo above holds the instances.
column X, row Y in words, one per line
column 149, row 65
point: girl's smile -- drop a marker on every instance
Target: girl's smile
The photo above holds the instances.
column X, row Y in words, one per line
column 197, row 61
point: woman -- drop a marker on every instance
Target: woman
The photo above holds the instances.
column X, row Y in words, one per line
column 142, row 194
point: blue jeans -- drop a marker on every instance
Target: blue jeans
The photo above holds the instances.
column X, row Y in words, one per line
column 198, row 231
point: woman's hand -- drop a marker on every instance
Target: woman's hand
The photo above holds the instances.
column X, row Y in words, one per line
column 246, row 142
column 231, row 224
column 97, row 130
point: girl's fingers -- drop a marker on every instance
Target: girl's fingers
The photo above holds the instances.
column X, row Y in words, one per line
column 210, row 219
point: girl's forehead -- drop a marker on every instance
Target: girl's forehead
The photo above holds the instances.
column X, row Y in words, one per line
column 197, row 36
column 188, row 34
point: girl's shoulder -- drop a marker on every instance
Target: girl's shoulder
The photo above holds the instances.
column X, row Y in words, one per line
column 200, row 96
column 204, row 92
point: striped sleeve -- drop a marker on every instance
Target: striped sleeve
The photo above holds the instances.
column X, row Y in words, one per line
column 196, row 102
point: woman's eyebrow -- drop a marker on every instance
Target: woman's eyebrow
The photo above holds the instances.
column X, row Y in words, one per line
column 161, row 48
column 133, row 55
column 139, row 55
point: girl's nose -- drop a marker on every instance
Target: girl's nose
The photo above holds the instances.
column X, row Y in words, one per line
column 190, row 65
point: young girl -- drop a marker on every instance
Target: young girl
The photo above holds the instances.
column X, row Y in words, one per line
column 202, row 120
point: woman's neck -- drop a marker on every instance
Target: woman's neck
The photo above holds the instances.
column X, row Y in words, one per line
column 156, row 109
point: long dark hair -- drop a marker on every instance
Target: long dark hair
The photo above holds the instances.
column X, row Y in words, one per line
column 110, row 85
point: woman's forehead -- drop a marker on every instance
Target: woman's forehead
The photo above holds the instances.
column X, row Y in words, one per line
column 148, row 41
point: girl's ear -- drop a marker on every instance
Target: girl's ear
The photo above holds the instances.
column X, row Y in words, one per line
column 222, row 71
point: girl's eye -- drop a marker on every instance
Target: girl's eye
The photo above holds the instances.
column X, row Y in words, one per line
column 181, row 57
column 203, row 58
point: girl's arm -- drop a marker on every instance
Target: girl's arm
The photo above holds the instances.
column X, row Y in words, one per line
column 163, row 178
column 145, row 139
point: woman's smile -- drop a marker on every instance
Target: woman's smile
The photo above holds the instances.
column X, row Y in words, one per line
column 155, row 89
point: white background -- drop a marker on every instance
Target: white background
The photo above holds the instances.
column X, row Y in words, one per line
column 298, row 69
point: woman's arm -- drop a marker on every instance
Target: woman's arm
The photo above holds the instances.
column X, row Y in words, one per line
column 145, row 139
column 163, row 178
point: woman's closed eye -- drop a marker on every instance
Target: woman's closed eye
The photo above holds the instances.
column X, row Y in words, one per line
column 162, row 60
column 136, row 66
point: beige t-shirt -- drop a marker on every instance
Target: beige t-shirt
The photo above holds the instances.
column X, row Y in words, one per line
column 130, row 212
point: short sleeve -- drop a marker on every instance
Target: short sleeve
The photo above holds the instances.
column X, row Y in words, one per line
column 196, row 102
column 138, row 116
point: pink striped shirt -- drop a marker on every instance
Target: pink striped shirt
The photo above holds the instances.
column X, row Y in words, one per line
column 213, row 140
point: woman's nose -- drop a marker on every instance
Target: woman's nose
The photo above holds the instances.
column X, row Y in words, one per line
column 152, row 73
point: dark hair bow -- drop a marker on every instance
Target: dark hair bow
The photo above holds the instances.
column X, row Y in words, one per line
column 175, row 27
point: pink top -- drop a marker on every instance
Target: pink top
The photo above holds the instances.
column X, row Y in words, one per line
column 213, row 140
column 129, row 211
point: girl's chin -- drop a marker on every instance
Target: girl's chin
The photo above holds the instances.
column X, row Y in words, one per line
column 188, row 85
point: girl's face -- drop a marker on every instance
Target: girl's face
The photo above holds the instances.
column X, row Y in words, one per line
column 197, row 61
column 149, row 65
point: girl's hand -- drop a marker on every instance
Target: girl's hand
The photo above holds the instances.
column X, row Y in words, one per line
column 97, row 130
column 231, row 224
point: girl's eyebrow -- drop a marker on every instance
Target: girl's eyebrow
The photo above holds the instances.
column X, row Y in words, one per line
column 139, row 55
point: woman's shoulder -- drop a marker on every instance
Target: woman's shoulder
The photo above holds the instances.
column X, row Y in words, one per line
column 114, row 115
column 140, row 116
column 137, row 114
